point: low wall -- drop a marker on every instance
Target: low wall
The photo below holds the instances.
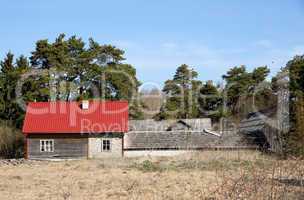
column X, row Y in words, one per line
column 140, row 153
column 175, row 152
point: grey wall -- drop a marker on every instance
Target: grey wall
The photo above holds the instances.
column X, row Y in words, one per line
column 65, row 146
column 169, row 140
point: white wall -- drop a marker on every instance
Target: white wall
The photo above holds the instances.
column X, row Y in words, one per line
column 154, row 153
column 95, row 147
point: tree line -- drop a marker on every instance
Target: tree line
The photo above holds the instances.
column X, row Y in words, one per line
column 71, row 69
column 187, row 97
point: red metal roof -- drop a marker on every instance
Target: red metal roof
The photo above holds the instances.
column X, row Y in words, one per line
column 69, row 117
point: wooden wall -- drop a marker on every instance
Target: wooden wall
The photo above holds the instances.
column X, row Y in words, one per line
column 65, row 146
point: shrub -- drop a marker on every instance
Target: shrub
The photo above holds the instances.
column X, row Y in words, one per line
column 11, row 142
column 148, row 166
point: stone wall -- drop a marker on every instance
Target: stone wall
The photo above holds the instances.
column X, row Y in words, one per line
column 94, row 150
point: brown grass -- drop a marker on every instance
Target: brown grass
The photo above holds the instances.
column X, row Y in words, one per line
column 205, row 175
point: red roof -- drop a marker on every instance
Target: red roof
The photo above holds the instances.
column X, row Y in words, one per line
column 69, row 117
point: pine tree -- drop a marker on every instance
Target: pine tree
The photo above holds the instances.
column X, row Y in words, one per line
column 182, row 95
column 9, row 75
column 210, row 101
column 240, row 89
column 79, row 72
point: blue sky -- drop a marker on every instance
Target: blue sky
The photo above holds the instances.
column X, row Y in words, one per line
column 160, row 35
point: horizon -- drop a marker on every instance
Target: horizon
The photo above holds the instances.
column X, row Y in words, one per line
column 158, row 36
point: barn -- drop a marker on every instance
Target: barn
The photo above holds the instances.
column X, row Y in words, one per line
column 67, row 130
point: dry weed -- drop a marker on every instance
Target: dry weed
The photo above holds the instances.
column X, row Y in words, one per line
column 204, row 175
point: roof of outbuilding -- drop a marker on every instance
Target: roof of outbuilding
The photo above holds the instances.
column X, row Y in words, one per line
column 167, row 134
column 165, row 125
column 182, row 140
column 68, row 117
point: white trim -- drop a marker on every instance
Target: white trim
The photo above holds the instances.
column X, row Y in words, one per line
column 47, row 147
column 212, row 133
column 156, row 131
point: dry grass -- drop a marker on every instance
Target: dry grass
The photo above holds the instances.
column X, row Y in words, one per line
column 205, row 175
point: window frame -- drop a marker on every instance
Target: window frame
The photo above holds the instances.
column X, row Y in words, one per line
column 47, row 148
column 107, row 145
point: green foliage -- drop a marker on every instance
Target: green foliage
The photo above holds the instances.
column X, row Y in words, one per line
column 296, row 75
column 135, row 111
column 259, row 75
column 9, row 75
column 210, row 101
column 148, row 166
column 66, row 69
column 69, row 60
column 189, row 98
column 182, row 95
column 241, row 88
column 295, row 138
column 237, row 80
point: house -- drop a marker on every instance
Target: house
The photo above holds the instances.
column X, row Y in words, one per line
column 90, row 129
column 98, row 129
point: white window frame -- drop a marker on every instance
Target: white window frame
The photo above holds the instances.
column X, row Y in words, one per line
column 110, row 145
column 47, row 145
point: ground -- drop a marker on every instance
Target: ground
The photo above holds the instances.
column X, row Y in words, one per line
column 204, row 175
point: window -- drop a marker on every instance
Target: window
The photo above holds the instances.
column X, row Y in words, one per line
column 106, row 145
column 46, row 145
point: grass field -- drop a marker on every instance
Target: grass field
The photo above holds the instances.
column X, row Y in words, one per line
column 204, row 175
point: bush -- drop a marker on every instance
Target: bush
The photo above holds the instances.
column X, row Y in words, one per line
column 11, row 142
column 148, row 166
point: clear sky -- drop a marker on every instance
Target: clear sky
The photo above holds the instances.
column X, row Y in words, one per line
column 159, row 35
